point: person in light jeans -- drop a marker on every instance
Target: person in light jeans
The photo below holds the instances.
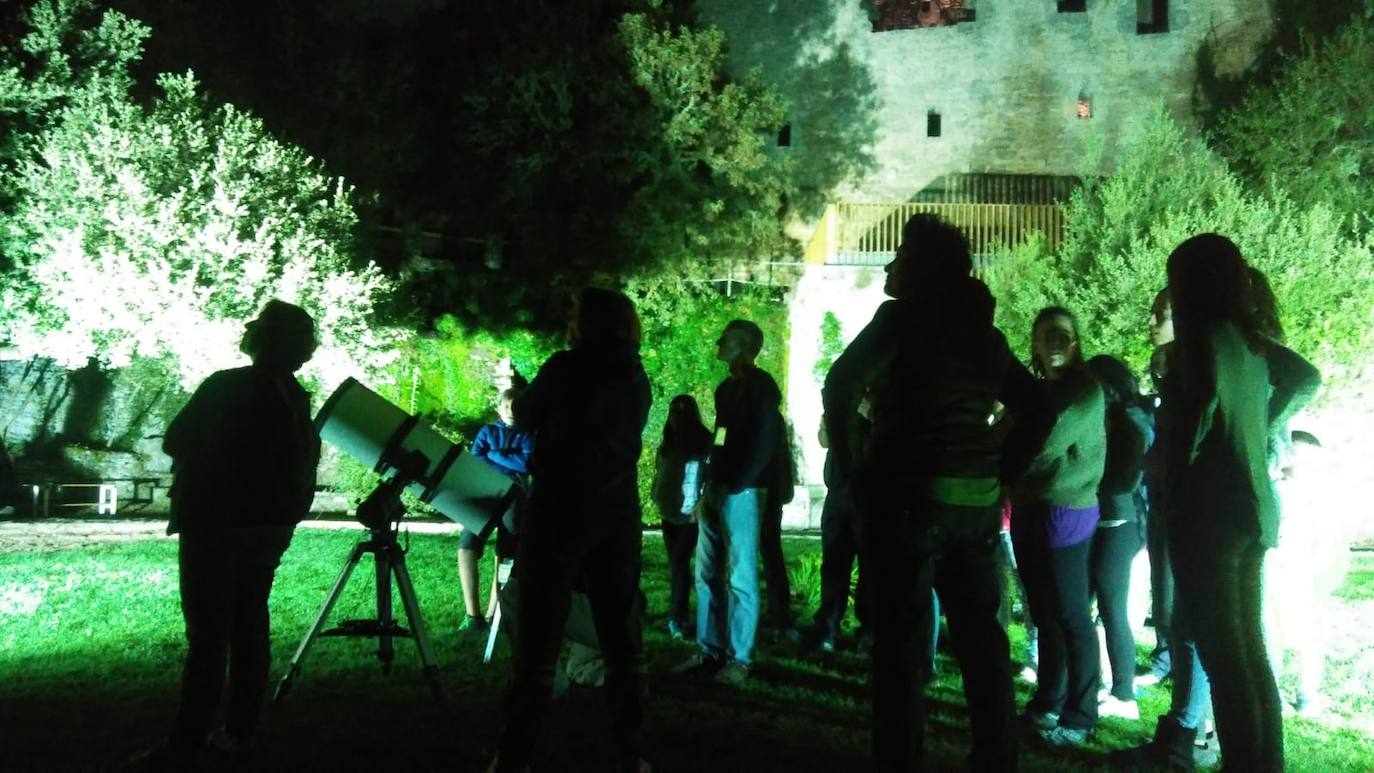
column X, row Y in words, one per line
column 745, row 442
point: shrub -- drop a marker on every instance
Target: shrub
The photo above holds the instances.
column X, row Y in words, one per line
column 1120, row 230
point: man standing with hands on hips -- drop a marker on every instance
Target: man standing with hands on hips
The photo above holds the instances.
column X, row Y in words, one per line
column 747, row 422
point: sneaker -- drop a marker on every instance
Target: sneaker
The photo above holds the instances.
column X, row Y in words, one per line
column 1041, row 720
column 733, row 673
column 472, row 625
column 1309, row 705
column 826, row 644
column 1113, row 706
column 675, row 630
column 1065, row 736
column 697, row 663
column 1206, row 750
column 789, row 636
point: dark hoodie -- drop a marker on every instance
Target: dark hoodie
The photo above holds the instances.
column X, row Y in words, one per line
column 586, row 409
column 935, row 364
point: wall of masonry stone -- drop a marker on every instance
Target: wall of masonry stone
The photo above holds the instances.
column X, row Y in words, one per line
column 1006, row 85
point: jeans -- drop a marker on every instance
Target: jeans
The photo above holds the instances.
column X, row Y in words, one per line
column 1191, row 695
column 577, row 545
column 840, row 540
column 1218, row 571
column 1113, row 550
column 912, row 546
column 776, row 582
column 1057, row 587
column 226, row 577
column 728, row 578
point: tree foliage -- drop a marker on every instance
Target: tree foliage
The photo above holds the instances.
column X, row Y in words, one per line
column 146, row 231
column 1310, row 133
column 560, row 142
column 1120, row 230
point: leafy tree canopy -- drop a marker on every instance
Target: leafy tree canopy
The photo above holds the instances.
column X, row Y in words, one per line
column 557, row 141
column 148, row 231
column 1168, row 186
column 1310, row 133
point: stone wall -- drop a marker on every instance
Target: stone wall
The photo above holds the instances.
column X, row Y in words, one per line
column 85, row 426
column 1006, row 85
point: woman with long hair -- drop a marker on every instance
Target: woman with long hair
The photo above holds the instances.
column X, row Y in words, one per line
column 587, row 408
column 1120, row 533
column 1222, row 512
column 1055, row 514
column 675, row 491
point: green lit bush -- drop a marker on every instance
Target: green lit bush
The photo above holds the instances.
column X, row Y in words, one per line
column 150, row 231
column 1119, row 231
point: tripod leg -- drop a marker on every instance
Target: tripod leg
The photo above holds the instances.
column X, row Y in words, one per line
column 503, row 572
column 491, row 635
column 293, row 669
column 386, row 618
column 417, row 625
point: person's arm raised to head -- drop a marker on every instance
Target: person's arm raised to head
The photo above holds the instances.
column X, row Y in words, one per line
column 854, row 372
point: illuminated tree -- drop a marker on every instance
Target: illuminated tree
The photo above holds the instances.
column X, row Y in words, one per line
column 149, row 231
column 1167, row 186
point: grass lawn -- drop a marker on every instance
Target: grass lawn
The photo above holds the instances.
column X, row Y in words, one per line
column 91, row 643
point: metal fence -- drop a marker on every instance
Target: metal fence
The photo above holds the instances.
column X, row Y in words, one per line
column 867, row 234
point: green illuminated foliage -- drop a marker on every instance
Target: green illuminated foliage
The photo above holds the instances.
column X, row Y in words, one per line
column 1167, row 186
column 1309, row 133
column 145, row 231
column 832, row 345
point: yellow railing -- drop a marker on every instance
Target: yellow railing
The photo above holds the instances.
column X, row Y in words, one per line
column 868, row 234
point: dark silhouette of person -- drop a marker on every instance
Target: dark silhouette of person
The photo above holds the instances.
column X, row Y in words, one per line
column 782, row 474
column 677, row 485
column 586, row 408
column 244, row 451
column 927, row 484
column 840, row 550
column 1222, row 511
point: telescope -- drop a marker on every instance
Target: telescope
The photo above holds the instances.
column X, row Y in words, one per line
column 409, row 456
column 367, row 427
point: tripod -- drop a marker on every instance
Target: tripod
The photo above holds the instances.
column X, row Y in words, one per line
column 380, row 512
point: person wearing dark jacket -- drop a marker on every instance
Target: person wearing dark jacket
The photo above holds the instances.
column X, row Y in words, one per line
column 1120, row 530
column 782, row 475
column 1222, row 513
column 840, row 549
column 244, row 451
column 587, row 408
column 927, row 485
column 678, row 477
column 747, row 425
